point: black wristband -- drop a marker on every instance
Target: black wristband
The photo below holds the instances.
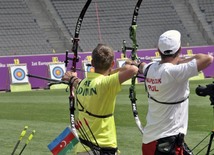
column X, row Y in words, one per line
column 71, row 79
column 139, row 64
column 134, row 64
column 75, row 80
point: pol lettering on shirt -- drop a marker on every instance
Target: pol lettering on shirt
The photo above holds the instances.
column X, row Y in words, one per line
column 152, row 83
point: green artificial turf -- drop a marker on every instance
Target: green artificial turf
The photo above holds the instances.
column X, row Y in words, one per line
column 47, row 112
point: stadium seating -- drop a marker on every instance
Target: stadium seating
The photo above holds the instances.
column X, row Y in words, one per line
column 155, row 17
column 19, row 31
column 207, row 7
column 105, row 21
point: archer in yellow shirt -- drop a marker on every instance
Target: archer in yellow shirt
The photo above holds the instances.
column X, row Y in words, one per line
column 96, row 97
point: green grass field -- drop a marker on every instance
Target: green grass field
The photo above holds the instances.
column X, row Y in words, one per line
column 46, row 111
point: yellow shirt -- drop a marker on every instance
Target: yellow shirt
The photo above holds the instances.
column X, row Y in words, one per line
column 97, row 94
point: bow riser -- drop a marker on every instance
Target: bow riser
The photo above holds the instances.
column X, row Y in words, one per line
column 75, row 59
column 134, row 57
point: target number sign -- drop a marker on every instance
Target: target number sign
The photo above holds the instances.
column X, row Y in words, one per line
column 56, row 70
column 18, row 73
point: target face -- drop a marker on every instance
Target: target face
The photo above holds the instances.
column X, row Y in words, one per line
column 89, row 69
column 18, row 74
column 121, row 62
column 57, row 70
column 86, row 65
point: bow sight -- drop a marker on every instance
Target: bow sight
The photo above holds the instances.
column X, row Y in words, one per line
column 206, row 90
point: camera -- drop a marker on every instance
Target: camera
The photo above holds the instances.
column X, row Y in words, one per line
column 206, row 90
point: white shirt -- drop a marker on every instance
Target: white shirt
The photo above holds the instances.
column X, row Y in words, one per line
column 168, row 83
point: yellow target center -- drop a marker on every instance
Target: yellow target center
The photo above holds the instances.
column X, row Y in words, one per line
column 58, row 72
column 18, row 74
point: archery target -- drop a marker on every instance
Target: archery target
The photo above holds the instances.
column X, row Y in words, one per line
column 18, row 74
column 87, row 67
column 57, row 70
column 121, row 62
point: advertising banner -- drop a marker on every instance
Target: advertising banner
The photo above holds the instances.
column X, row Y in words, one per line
column 38, row 64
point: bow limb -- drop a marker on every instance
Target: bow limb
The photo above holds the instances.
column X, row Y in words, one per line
column 76, row 35
column 133, row 31
column 75, row 59
column 134, row 57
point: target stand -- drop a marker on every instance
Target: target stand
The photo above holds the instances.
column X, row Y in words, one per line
column 121, row 63
column 200, row 76
column 18, row 80
column 56, row 71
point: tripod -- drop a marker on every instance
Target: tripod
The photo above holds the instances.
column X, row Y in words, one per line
column 204, row 91
column 210, row 142
column 211, row 134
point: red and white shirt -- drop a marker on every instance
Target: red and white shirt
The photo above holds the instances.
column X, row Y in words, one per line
column 168, row 83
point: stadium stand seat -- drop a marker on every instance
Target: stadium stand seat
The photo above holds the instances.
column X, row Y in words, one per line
column 19, row 31
column 23, row 30
column 207, row 7
column 155, row 17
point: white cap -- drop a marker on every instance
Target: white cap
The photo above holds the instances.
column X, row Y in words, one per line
column 169, row 41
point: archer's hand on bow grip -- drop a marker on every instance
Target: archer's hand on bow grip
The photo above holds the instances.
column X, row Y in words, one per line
column 67, row 76
column 131, row 62
column 72, row 78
